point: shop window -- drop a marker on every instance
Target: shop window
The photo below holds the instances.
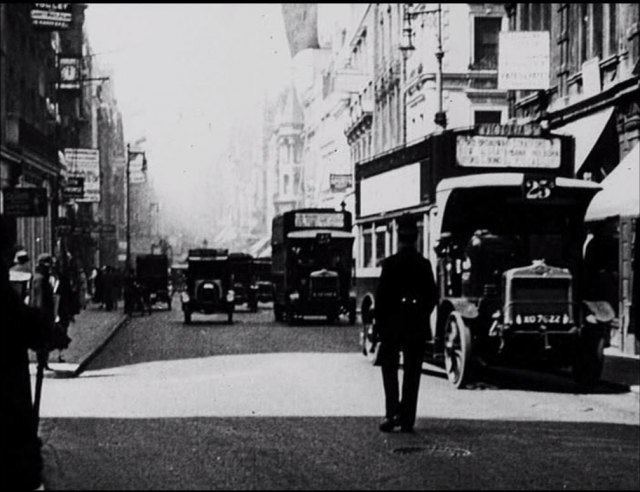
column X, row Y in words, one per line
column 486, row 31
column 420, row 244
column 480, row 117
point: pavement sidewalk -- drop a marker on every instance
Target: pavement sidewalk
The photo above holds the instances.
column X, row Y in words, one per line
column 621, row 368
column 92, row 329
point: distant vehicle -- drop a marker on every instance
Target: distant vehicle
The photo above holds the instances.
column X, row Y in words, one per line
column 262, row 271
column 209, row 287
column 245, row 287
column 152, row 274
column 312, row 264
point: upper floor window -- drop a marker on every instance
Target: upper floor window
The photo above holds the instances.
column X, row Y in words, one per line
column 480, row 117
column 486, row 31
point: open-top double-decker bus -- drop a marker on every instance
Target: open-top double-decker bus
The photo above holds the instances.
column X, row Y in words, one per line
column 502, row 221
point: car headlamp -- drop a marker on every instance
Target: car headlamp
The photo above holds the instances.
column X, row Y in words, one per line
column 294, row 296
column 231, row 295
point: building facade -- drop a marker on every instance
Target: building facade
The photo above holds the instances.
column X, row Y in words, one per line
column 29, row 121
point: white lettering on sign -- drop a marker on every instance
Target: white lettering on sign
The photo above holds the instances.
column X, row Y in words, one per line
column 85, row 163
column 523, row 60
column 319, row 220
column 505, row 152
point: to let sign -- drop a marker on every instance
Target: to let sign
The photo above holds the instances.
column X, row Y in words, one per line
column 25, row 202
column 52, row 15
column 523, row 60
column 340, row 182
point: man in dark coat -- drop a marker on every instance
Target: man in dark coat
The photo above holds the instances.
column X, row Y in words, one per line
column 23, row 328
column 405, row 297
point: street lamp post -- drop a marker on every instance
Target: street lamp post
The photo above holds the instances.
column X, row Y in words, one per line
column 407, row 45
column 130, row 154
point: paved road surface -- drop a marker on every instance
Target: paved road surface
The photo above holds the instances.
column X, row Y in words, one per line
column 265, row 405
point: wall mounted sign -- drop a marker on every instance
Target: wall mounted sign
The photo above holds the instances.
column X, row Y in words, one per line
column 85, row 163
column 523, row 60
column 55, row 16
column 340, row 182
column 25, row 202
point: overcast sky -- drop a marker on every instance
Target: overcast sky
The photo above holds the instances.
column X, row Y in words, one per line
column 184, row 74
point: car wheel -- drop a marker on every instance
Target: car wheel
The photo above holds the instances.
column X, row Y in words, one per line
column 457, row 351
column 187, row 317
column 230, row 317
column 588, row 361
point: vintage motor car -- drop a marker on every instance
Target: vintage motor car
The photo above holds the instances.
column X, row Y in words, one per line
column 152, row 274
column 209, row 287
column 509, row 271
column 244, row 280
column 262, row 271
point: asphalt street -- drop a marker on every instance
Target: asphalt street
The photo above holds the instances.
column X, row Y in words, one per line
column 264, row 405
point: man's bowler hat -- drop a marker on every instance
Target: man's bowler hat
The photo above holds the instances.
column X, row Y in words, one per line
column 407, row 226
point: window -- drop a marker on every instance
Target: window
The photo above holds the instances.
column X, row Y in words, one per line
column 583, row 22
column 612, row 32
column 597, row 31
column 367, row 248
column 486, row 42
column 480, row 117
column 381, row 242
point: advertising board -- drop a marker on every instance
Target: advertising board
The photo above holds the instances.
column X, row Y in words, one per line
column 508, row 152
column 53, row 16
column 523, row 60
column 316, row 220
column 85, row 163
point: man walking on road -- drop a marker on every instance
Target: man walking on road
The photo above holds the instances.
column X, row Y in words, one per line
column 405, row 297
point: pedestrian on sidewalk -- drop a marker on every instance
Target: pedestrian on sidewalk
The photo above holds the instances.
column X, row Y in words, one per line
column 405, row 297
column 65, row 305
column 20, row 275
column 23, row 328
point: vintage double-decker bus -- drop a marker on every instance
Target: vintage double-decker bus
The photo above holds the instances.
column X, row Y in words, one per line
column 502, row 221
column 312, row 264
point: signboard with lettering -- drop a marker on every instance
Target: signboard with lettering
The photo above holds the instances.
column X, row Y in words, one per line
column 523, row 60
column 56, row 16
column 507, row 152
column 316, row 220
column 73, row 188
column 85, row 163
column 340, row 182
column 25, row 202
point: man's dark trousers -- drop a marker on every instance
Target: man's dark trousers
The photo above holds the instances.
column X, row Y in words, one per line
column 405, row 408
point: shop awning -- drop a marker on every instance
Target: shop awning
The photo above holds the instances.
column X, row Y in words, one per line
column 586, row 132
column 620, row 195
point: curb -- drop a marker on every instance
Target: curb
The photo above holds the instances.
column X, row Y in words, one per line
column 92, row 355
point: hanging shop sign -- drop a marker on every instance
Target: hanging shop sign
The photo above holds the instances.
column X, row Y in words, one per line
column 85, row 163
column 69, row 73
column 523, row 60
column 73, row 188
column 25, row 202
column 340, row 182
column 55, row 16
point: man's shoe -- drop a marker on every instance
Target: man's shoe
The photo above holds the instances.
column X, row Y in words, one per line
column 389, row 424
